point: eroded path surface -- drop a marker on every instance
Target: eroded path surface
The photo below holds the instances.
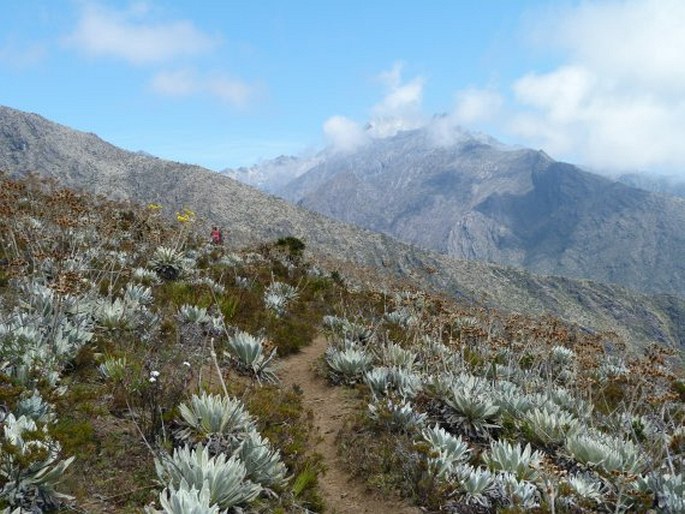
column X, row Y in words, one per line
column 330, row 406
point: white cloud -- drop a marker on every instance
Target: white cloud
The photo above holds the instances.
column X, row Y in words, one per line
column 619, row 99
column 231, row 91
column 637, row 40
column 137, row 37
column 19, row 55
column 400, row 107
column 175, row 83
column 565, row 94
column 188, row 82
column 344, row 134
column 128, row 35
column 476, row 105
column 392, row 78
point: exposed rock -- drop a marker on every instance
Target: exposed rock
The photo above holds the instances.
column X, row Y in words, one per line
column 476, row 199
column 30, row 143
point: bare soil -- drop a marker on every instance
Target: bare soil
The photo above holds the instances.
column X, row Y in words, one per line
column 331, row 405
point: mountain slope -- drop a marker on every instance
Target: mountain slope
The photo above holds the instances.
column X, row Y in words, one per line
column 30, row 143
column 133, row 356
column 475, row 199
column 273, row 174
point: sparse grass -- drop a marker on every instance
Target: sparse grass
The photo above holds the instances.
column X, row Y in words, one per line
column 283, row 420
column 379, row 458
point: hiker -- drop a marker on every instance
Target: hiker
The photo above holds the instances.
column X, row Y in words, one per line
column 217, row 236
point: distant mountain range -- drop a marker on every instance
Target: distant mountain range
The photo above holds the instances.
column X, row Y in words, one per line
column 273, row 174
column 30, row 143
column 669, row 185
column 473, row 198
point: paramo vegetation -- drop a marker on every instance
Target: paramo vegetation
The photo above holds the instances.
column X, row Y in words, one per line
column 139, row 372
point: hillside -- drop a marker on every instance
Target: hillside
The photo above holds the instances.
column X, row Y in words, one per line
column 30, row 143
column 476, row 199
column 143, row 369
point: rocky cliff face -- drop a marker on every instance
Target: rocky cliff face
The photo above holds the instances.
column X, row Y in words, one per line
column 474, row 199
column 30, row 143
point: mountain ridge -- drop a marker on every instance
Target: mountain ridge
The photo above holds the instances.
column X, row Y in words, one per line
column 478, row 200
column 30, row 143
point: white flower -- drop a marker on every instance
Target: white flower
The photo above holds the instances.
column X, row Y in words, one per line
column 152, row 380
column 154, row 374
column 186, row 363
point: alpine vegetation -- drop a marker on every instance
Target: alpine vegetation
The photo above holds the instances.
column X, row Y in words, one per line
column 348, row 365
column 145, row 276
column 669, row 489
column 247, row 352
column 523, row 463
column 518, row 492
column 186, row 499
column 550, row 427
column 116, row 315
column 113, row 369
column 30, row 468
column 168, row 263
column 396, row 415
column 135, row 354
column 226, row 477
column 342, row 329
column 214, row 417
column 193, row 314
column 491, row 414
column 35, row 408
column 96, row 367
column 137, row 294
column 446, row 451
column 384, row 381
column 587, row 490
column 605, row 452
column 222, row 447
column 394, row 355
column 475, row 484
column 278, row 295
column 42, row 334
column 263, row 463
column 470, row 403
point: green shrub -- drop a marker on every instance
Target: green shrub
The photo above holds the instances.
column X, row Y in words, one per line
column 294, row 245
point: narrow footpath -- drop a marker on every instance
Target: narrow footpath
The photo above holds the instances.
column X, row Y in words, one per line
column 330, row 405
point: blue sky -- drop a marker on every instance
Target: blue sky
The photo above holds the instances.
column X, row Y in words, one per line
column 227, row 83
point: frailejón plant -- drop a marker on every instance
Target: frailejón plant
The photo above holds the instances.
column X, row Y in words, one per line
column 210, row 415
column 226, row 478
column 247, row 352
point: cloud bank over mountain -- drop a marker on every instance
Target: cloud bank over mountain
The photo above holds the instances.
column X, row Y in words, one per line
column 615, row 102
column 399, row 109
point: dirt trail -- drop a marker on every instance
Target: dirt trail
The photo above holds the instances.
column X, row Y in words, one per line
column 330, row 406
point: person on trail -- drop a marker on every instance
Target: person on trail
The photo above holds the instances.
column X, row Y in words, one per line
column 217, row 236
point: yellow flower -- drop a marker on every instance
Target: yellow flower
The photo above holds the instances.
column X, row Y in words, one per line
column 185, row 216
column 154, row 207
